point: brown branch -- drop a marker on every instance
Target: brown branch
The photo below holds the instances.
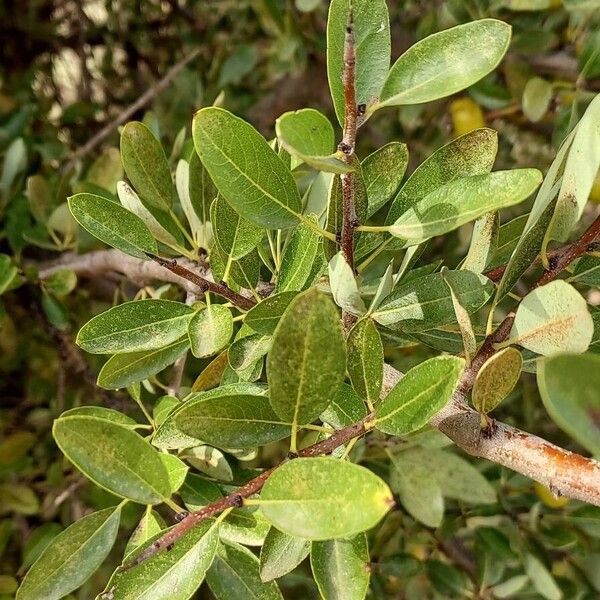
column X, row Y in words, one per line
column 560, row 259
column 347, row 146
column 203, row 284
column 236, row 499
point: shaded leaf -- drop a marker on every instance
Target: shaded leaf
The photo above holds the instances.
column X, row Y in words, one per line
column 298, row 260
column 569, row 389
column 373, row 47
column 239, row 421
column 265, row 316
column 280, row 554
column 496, row 379
column 536, row 98
column 146, row 166
column 341, row 568
column 365, row 360
column 344, row 287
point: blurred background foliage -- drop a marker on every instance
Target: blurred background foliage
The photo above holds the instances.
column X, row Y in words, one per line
column 69, row 67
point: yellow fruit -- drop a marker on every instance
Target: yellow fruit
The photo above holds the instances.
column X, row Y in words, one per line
column 595, row 193
column 548, row 498
column 466, row 116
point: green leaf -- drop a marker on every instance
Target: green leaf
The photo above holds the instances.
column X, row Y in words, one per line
column 307, row 361
column 148, row 527
column 169, row 437
column 237, row 421
column 446, row 62
column 176, row 470
column 146, row 166
column 246, row 526
column 8, row 272
column 587, row 271
column 246, row 171
column 71, row 557
column 341, row 568
column 159, row 222
column 464, row 322
column 114, row 457
column 418, row 491
column 425, row 303
column 464, row 200
column 536, row 98
column 345, row 409
column 373, row 47
column 542, row 579
column 135, row 326
column 265, row 316
column 280, row 554
column 496, row 379
column 344, row 287
column 569, row 389
column 532, row 238
column 112, row 224
column 342, row 498
column 484, row 241
column 383, row 171
column 210, row 461
column 365, row 360
column 298, row 260
column 308, row 135
column 235, row 575
column 60, row 283
column 235, row 235
column 552, row 319
column 210, row 330
column 121, row 370
column 248, row 350
column 108, row 414
column 419, row 395
column 172, row 575
column 470, row 154
column 581, row 168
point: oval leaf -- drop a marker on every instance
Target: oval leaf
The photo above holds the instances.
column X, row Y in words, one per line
column 462, row 201
column 72, row 557
column 146, row 166
column 245, row 170
column 135, row 326
column 569, row 389
column 342, row 498
column 373, row 47
column 365, row 360
column 307, row 361
column 553, row 319
column 426, row 302
column 232, row 421
column 121, row 370
column 419, row 395
column 172, row 575
column 210, row 330
column 112, row 224
column 265, row 316
column 280, row 554
column 114, row 457
column 446, row 62
column 496, row 379
column 341, row 568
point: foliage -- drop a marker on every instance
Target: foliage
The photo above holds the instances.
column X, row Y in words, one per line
column 248, row 378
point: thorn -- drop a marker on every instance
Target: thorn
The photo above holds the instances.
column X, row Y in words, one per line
column 169, row 547
column 361, row 109
column 345, row 148
column 180, row 516
column 292, row 455
column 238, row 500
column 553, row 262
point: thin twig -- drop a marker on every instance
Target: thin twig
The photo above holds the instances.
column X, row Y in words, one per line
column 204, row 285
column 346, row 146
column 144, row 99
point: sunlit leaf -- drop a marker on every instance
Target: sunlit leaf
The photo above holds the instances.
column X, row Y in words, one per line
column 365, row 360
column 210, row 330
